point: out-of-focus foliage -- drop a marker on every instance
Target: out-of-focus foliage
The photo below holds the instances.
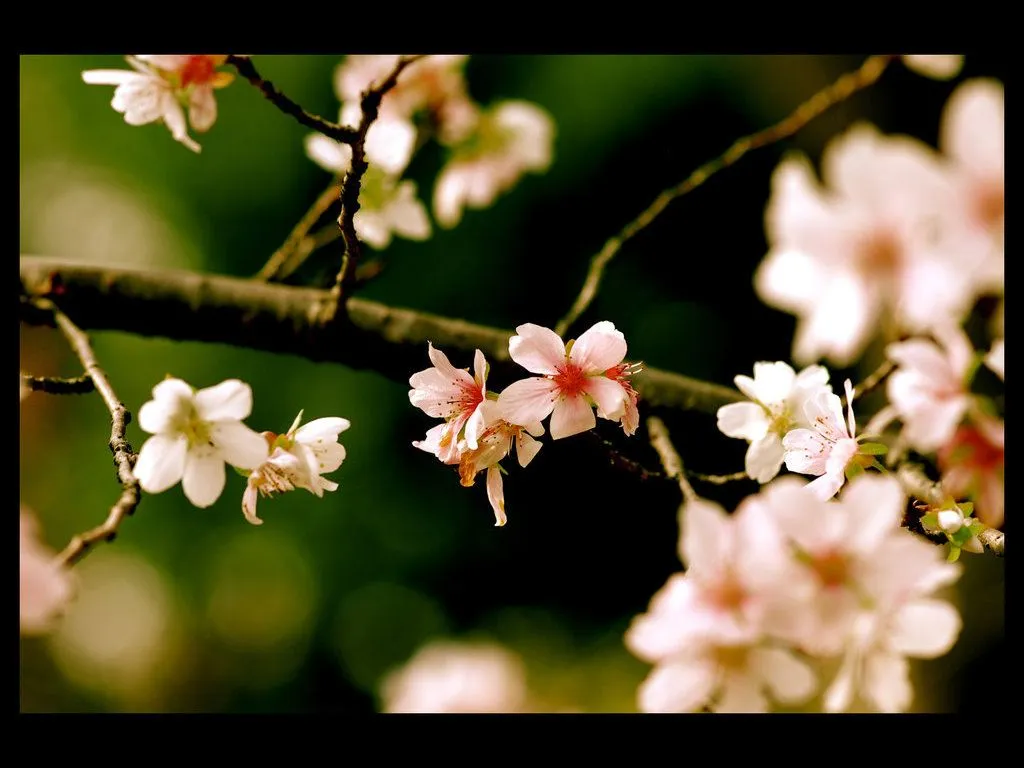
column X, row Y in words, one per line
column 195, row 609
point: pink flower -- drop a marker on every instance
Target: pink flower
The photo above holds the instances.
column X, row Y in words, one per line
column 937, row 67
column 572, row 380
column 929, row 390
column 450, row 393
column 973, row 465
column 866, row 249
column 621, row 374
column 46, row 585
column 828, row 447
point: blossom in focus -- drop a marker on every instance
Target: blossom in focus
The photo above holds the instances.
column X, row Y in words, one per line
column 193, row 435
column 972, row 466
column 960, row 529
column 299, row 459
column 704, row 629
column 448, row 676
column 621, row 373
column 929, row 389
column 509, row 140
column 828, row 447
column 387, row 205
column 867, row 249
column 162, row 86
column 46, row 585
column 994, row 358
column 572, row 379
column 938, row 67
column 778, row 396
column 450, row 393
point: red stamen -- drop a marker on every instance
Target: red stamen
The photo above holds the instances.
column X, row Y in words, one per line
column 198, row 70
column 570, row 380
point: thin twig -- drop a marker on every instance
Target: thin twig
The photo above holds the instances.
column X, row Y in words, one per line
column 56, row 385
column 719, row 479
column 839, row 91
column 621, row 461
column 661, row 441
column 877, row 377
column 124, row 456
column 299, row 240
column 335, row 131
column 370, row 104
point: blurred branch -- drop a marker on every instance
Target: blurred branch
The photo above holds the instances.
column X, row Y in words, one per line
column 872, row 381
column 719, row 479
column 916, row 483
column 370, row 105
column 55, row 385
column 299, row 243
column 661, row 441
column 278, row 318
column 839, row 91
column 124, row 456
column 248, row 70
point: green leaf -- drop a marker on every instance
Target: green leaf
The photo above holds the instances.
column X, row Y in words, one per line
column 873, row 449
column 878, row 465
column 954, row 554
column 853, row 469
column 967, row 507
column 931, row 520
column 962, row 536
column 976, row 528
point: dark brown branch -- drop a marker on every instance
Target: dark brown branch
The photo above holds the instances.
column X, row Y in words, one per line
column 55, row 385
column 661, row 441
column 839, row 91
column 370, row 105
column 124, row 456
column 248, row 70
column 277, row 318
column 299, row 243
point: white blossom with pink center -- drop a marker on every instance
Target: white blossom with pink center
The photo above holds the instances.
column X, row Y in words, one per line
column 828, row 446
column 450, row 393
column 929, row 388
column 509, row 140
column 46, row 585
column 778, row 396
column 705, row 629
column 866, row 251
column 450, row 676
column 937, row 67
column 573, row 381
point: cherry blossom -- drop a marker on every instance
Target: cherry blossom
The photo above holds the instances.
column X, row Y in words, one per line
column 510, row 139
column 450, row 676
column 938, row 67
column 929, row 389
column 778, row 396
column 704, row 629
column 194, row 434
column 572, row 379
column 867, row 249
column 994, row 358
column 828, row 447
column 387, row 206
column 298, row 459
column 621, row 374
column 450, row 393
column 972, row 465
column 960, row 529
column 46, row 585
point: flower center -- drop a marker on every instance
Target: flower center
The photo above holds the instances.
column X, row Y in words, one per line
column 198, row 70
column 731, row 656
column 728, row 594
column 196, row 430
column 781, row 422
column 832, row 568
column 880, row 252
column 989, row 201
column 570, row 380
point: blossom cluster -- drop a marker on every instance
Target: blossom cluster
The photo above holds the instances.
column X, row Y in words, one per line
column 489, row 148
column 480, row 427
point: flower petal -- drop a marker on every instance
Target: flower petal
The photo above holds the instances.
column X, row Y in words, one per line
column 887, row 682
column 526, row 448
column 806, row 451
column 747, row 421
column 773, row 382
column 202, row 108
column 496, row 495
column 537, row 349
column 741, row 694
column 925, row 629
column 449, row 371
column 609, row 396
column 329, row 154
column 249, row 498
column 231, row 399
column 161, row 462
column 682, row 686
column 790, row 680
column 239, row 445
column 764, row 458
column 599, row 348
column 706, row 540
column 320, row 432
column 874, row 506
column 204, row 476
column 571, row 415
column 527, row 400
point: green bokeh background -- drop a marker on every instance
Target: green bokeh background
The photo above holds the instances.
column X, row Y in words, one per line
column 196, row 610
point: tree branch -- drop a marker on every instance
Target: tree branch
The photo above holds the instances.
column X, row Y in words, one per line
column 124, row 456
column 248, row 70
column 55, row 385
column 839, row 91
column 370, row 105
column 278, row 318
column 299, row 243
column 661, row 441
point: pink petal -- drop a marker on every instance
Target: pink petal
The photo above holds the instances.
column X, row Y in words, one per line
column 496, row 495
column 925, row 629
column 973, row 127
column 571, row 415
column 526, row 448
column 791, row 681
column 599, row 348
column 249, row 498
column 528, row 400
column 537, row 349
column 682, row 686
column 705, row 545
column 741, row 694
column 609, row 396
column 806, row 451
column 887, row 682
column 480, row 370
column 874, row 507
column 450, row 372
column 202, row 108
column 921, row 357
column 826, row 486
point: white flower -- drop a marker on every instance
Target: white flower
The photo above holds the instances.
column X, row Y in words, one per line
column 46, row 585
column 514, row 137
column 448, row 676
column 828, row 446
column 994, row 358
column 938, row 67
column 779, row 395
column 299, row 459
column 929, row 388
column 194, row 434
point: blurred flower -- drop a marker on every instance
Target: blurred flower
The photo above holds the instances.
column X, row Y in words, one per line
column 941, row 67
column 994, row 359
column 510, row 139
column 386, row 205
column 779, row 395
column 972, row 466
column 450, row 393
column 457, row 677
column 572, row 380
column 46, row 585
column 299, row 458
column 194, row 434
column 158, row 86
column 704, row 628
column 929, row 389
column 867, row 249
column 828, row 447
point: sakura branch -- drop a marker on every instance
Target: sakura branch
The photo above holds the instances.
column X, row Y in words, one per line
column 56, row 385
column 300, row 243
column 839, row 91
column 661, row 441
